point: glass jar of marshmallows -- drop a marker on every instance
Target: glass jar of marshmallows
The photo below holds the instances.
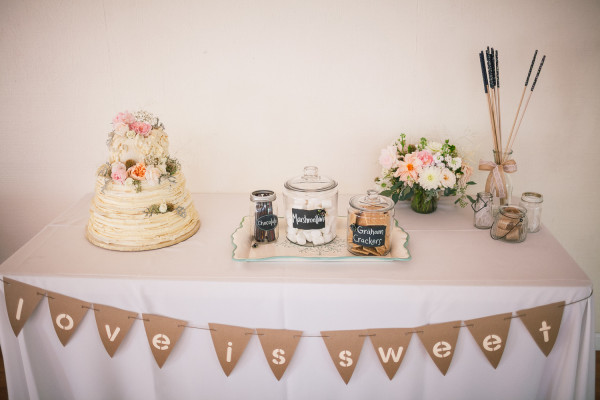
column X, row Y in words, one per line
column 310, row 208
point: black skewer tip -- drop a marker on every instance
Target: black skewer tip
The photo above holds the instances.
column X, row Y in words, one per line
column 538, row 73
column 483, row 73
column 497, row 70
column 530, row 68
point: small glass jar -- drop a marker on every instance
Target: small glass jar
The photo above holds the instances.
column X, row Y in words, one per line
column 483, row 217
column 510, row 224
column 370, row 224
column 264, row 224
column 532, row 202
column 310, row 208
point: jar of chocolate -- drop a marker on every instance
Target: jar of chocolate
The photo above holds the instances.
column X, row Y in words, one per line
column 510, row 224
column 263, row 216
column 370, row 224
column 310, row 208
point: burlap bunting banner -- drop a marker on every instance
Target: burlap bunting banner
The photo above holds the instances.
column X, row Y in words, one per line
column 67, row 313
column 490, row 334
column 543, row 323
column 21, row 300
column 113, row 325
column 279, row 346
column 439, row 341
column 344, row 348
column 390, row 344
column 230, row 342
column 163, row 334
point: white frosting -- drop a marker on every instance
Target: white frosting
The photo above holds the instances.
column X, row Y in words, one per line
column 123, row 148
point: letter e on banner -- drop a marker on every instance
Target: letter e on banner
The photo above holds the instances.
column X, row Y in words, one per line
column 490, row 334
column 67, row 313
column 163, row 334
column 279, row 346
column 439, row 341
column 21, row 300
column 113, row 325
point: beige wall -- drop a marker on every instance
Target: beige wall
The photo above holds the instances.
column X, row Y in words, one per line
column 296, row 83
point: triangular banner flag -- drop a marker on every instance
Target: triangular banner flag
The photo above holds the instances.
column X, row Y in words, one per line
column 163, row 334
column 344, row 348
column 390, row 344
column 113, row 325
column 543, row 323
column 21, row 300
column 439, row 341
column 230, row 342
column 279, row 346
column 67, row 313
column 490, row 333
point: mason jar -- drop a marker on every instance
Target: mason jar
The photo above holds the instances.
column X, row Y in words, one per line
column 263, row 216
column 510, row 224
column 310, row 208
column 483, row 216
column 370, row 224
column 532, row 202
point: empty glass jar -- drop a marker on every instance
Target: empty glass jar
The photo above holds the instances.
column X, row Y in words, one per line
column 532, row 202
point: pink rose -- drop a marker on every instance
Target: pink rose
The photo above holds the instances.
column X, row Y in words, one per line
column 118, row 172
column 388, row 157
column 124, row 117
column 425, row 156
column 141, row 128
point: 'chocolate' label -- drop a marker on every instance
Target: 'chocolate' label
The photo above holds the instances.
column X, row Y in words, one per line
column 267, row 222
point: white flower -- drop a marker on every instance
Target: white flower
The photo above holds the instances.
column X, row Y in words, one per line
column 388, row 157
column 152, row 175
column 129, row 181
column 430, row 178
column 434, row 146
column 130, row 134
column 121, row 128
column 455, row 163
column 438, row 158
column 163, row 208
column 447, row 178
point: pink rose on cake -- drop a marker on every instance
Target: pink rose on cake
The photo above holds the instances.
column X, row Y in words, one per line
column 141, row 128
column 153, row 175
column 124, row 117
column 138, row 171
column 118, row 172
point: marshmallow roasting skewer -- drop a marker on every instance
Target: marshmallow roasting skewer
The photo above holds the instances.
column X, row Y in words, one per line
column 491, row 85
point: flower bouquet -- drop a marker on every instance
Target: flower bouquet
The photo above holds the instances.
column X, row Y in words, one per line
column 421, row 172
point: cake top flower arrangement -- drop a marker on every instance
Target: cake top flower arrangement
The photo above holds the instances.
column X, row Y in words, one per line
column 421, row 172
column 138, row 152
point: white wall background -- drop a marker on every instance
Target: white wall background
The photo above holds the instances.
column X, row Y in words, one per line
column 297, row 83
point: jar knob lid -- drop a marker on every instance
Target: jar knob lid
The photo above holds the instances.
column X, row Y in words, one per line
column 311, row 172
column 372, row 196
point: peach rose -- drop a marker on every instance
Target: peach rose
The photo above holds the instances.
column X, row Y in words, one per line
column 138, row 171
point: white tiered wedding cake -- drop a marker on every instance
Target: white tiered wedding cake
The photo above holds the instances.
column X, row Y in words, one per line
column 140, row 202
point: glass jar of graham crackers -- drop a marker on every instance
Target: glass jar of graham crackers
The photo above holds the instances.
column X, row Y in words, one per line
column 370, row 220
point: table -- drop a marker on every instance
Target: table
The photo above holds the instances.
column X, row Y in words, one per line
column 457, row 272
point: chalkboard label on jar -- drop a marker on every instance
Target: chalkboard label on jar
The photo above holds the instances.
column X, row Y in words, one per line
column 308, row 219
column 267, row 222
column 368, row 236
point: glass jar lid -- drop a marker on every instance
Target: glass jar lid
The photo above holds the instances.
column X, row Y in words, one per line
column 372, row 202
column 532, row 197
column 514, row 212
column 311, row 181
column 263, row 195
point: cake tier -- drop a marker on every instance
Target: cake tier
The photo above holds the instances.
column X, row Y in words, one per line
column 137, row 147
column 120, row 220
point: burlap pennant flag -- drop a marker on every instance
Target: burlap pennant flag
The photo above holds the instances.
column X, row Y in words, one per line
column 390, row 344
column 439, row 341
column 21, row 300
column 163, row 334
column 490, row 333
column 67, row 313
column 113, row 325
column 344, row 348
column 279, row 346
column 543, row 323
column 230, row 342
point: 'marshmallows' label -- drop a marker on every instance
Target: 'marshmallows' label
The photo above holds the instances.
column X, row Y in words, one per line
column 308, row 219
column 311, row 221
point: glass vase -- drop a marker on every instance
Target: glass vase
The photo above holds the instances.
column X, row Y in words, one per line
column 508, row 185
column 424, row 203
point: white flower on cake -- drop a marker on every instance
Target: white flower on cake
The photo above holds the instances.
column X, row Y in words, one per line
column 447, row 178
column 434, row 146
column 429, row 178
column 130, row 135
column 153, row 175
column 163, row 208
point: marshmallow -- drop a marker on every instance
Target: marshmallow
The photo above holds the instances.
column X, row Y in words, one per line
column 292, row 238
column 301, row 239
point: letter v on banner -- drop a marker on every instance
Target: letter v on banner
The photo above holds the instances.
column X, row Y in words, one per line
column 21, row 300
column 113, row 325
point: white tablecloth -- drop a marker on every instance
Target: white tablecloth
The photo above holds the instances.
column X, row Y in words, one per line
column 457, row 272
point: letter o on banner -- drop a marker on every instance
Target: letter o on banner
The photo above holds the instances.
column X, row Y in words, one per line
column 62, row 317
